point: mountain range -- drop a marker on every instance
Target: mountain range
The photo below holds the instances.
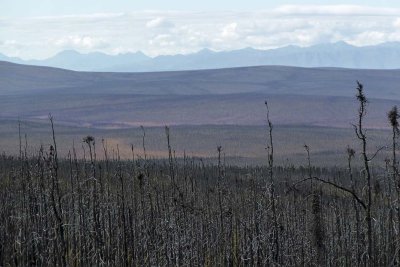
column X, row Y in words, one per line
column 340, row 54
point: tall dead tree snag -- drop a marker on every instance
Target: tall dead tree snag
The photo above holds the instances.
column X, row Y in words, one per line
column 270, row 154
column 393, row 116
column 56, row 196
column 350, row 155
column 361, row 135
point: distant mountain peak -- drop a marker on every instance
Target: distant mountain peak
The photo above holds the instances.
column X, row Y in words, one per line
column 205, row 51
column 336, row 54
column 341, row 43
column 68, row 53
column 249, row 49
column 139, row 53
column 389, row 44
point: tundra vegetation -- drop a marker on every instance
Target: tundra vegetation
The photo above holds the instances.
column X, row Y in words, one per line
column 101, row 210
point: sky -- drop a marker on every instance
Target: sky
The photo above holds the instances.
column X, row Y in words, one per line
column 37, row 29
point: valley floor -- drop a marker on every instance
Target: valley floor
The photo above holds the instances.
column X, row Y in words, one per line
column 241, row 144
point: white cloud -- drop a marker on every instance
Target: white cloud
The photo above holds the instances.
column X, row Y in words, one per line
column 229, row 31
column 173, row 32
column 162, row 40
column 12, row 45
column 159, row 23
column 396, row 23
column 337, row 10
column 80, row 42
column 369, row 38
column 9, row 43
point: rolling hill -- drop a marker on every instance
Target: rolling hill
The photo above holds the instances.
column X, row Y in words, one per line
column 278, row 80
column 298, row 96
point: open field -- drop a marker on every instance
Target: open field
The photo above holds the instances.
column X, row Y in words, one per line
column 127, row 111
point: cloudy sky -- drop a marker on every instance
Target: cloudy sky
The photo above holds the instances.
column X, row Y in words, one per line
column 41, row 28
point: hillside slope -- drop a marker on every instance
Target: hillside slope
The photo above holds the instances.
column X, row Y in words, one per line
column 297, row 96
column 25, row 79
